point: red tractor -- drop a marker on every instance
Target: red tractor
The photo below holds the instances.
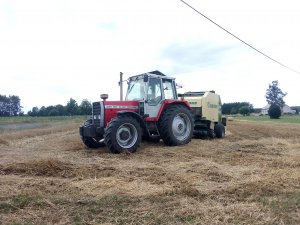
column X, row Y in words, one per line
column 150, row 111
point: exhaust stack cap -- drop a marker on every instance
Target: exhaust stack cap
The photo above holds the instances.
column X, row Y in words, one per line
column 104, row 96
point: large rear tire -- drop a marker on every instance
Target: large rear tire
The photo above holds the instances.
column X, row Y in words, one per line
column 176, row 125
column 123, row 133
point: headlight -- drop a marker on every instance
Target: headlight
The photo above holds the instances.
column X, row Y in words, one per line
column 96, row 117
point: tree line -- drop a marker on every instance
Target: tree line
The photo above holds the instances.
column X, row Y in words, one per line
column 70, row 109
column 10, row 105
column 243, row 108
column 85, row 108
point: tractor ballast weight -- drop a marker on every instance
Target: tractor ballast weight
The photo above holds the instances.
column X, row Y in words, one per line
column 207, row 113
column 151, row 110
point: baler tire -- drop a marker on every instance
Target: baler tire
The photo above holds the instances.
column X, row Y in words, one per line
column 176, row 125
column 219, row 130
column 123, row 133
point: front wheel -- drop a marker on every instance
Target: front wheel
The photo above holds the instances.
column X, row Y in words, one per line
column 92, row 142
column 176, row 125
column 123, row 133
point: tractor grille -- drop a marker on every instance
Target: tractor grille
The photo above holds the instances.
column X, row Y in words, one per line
column 96, row 113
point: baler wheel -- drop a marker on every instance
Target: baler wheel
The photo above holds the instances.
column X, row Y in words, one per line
column 220, row 130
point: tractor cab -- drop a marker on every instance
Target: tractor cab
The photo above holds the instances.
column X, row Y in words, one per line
column 150, row 89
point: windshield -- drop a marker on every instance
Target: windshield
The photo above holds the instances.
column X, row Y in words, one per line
column 136, row 89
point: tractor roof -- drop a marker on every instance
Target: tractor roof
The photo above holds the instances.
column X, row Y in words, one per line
column 155, row 73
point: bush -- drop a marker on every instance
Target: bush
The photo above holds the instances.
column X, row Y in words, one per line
column 244, row 110
column 274, row 111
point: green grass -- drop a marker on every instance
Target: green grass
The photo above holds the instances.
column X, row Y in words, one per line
column 283, row 205
column 283, row 119
column 43, row 119
column 18, row 202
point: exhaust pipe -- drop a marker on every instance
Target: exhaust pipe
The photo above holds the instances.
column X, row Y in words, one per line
column 121, row 86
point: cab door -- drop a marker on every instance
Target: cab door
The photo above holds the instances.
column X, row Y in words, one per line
column 154, row 97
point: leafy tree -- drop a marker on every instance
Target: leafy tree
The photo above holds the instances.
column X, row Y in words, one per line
column 233, row 110
column 274, row 111
column 85, row 107
column 4, row 105
column 33, row 112
column 15, row 105
column 72, row 107
column 274, row 94
column 43, row 111
column 10, row 106
column 244, row 110
column 53, row 112
column 61, row 110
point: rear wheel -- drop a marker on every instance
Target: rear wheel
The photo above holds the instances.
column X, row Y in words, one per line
column 123, row 133
column 219, row 130
column 176, row 125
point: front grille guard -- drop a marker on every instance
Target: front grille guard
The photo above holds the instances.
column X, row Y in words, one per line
column 98, row 114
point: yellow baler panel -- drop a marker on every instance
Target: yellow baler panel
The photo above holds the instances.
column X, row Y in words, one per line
column 211, row 106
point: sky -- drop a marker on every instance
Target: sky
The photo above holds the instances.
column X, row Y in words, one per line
column 51, row 51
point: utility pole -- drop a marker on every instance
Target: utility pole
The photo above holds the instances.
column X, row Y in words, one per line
column 121, row 86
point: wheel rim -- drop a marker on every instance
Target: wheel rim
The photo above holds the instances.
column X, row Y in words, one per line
column 127, row 135
column 181, row 126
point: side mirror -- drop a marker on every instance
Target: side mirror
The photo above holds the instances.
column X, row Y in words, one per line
column 146, row 78
column 178, row 86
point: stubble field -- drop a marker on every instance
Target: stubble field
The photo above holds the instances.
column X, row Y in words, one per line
column 252, row 176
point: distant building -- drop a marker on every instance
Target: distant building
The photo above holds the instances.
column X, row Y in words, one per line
column 264, row 110
column 285, row 110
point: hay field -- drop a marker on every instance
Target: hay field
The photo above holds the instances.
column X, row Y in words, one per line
column 252, row 176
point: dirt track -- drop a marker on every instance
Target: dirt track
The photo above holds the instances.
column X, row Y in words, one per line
column 250, row 177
